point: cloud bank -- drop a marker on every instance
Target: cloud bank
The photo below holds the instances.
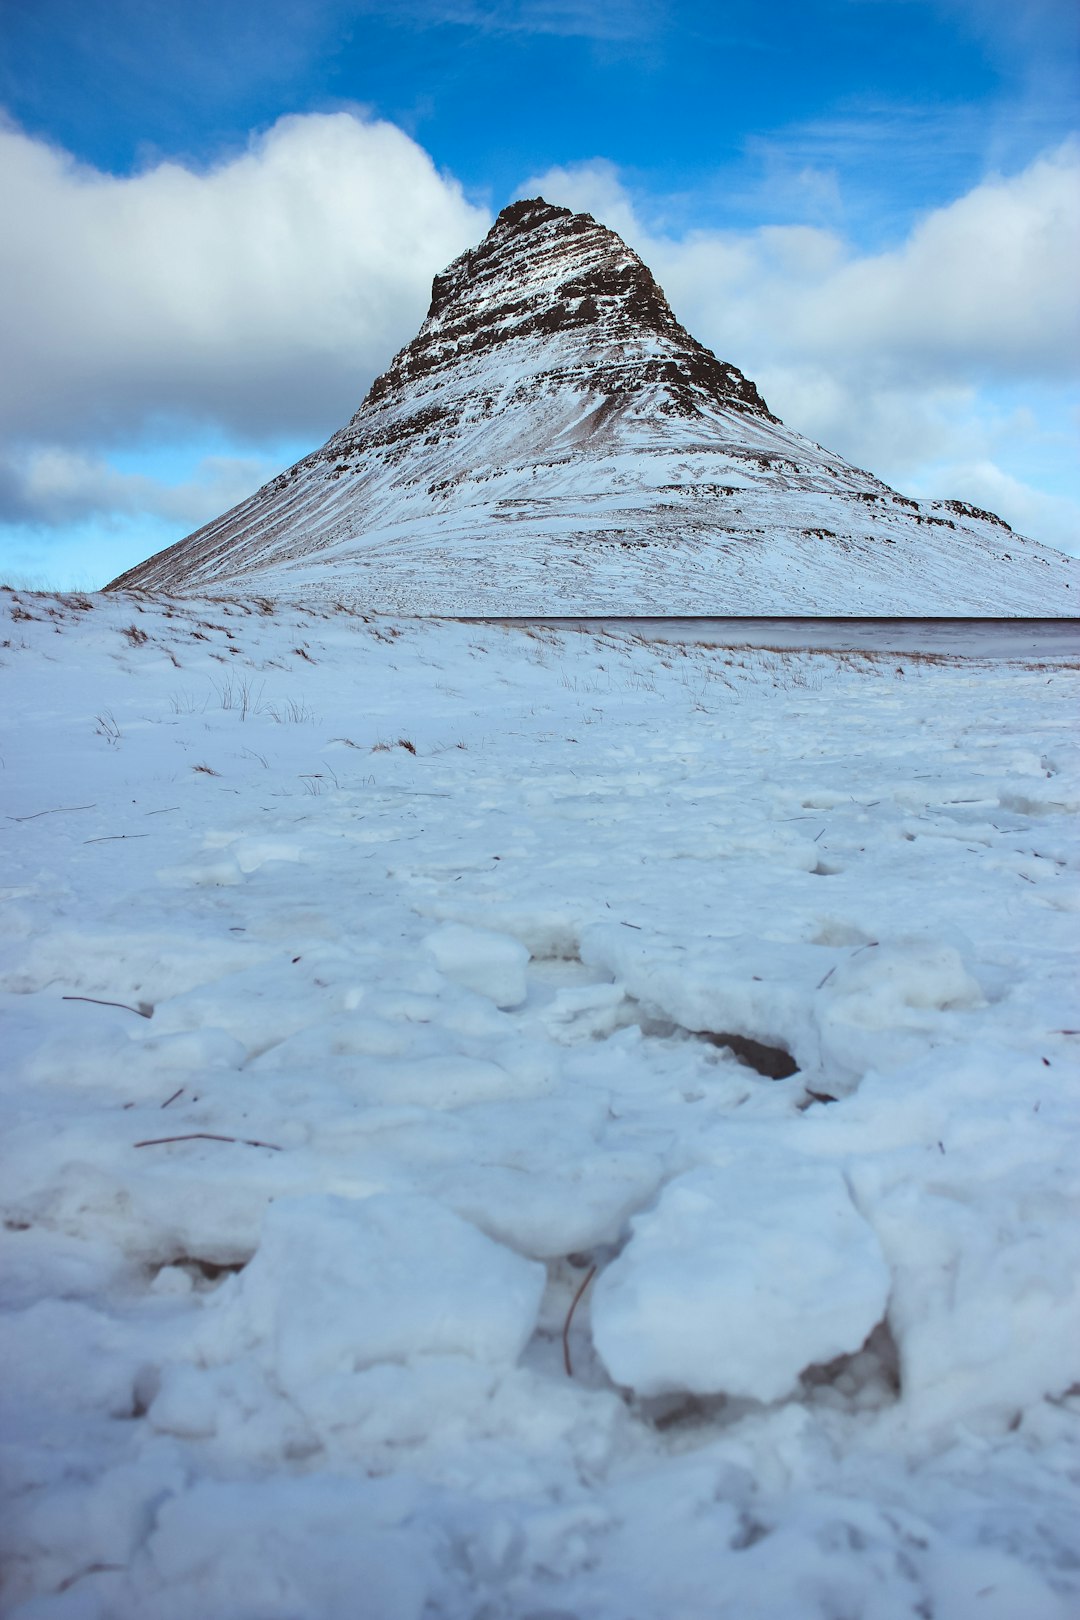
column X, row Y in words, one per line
column 262, row 294
column 53, row 486
column 257, row 299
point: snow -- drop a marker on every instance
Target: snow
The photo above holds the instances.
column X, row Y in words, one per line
column 744, row 1275
column 374, row 989
column 491, row 964
column 341, row 1284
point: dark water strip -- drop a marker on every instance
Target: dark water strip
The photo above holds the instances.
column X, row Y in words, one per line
column 1008, row 639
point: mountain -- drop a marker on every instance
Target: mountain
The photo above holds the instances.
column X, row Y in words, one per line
column 554, row 442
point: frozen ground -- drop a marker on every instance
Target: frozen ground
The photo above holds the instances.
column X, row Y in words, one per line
column 434, row 947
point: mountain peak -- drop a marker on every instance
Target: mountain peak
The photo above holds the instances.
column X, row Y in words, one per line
column 542, row 273
column 528, row 212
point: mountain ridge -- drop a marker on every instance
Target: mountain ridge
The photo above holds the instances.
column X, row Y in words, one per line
column 553, row 440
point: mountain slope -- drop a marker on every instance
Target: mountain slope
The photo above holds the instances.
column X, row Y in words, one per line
column 553, row 442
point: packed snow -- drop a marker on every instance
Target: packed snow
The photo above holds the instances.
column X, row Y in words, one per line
column 533, row 1124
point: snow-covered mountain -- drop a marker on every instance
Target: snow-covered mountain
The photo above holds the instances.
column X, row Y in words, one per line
column 553, row 441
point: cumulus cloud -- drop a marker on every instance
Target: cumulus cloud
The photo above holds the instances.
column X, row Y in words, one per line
column 262, row 294
column 891, row 358
column 52, row 486
column 983, row 288
column 987, row 284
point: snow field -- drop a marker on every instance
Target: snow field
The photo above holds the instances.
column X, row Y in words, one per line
column 429, row 944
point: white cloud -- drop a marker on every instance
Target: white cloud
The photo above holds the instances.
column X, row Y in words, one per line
column 988, row 284
column 262, row 294
column 1054, row 519
column 984, row 288
column 52, row 486
column 893, row 359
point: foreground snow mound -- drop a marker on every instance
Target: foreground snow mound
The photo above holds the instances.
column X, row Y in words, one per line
column 341, row 1284
column 882, row 1004
column 491, row 964
column 739, row 1279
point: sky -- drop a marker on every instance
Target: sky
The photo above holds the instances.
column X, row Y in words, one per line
column 222, row 220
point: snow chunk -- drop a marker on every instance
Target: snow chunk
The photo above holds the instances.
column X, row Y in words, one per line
column 760, row 989
column 491, row 964
column 877, row 989
column 547, row 1209
column 901, row 989
column 879, row 1006
column 741, row 1277
column 341, row 1284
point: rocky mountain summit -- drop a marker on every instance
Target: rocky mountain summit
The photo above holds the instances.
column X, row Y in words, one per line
column 554, row 442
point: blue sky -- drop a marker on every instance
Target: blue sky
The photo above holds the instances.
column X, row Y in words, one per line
column 225, row 218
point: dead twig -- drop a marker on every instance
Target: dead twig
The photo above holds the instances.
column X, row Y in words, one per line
column 60, row 810
column 143, row 1010
column 208, row 1136
column 112, row 838
column 177, row 1093
column 589, row 1275
column 91, row 1569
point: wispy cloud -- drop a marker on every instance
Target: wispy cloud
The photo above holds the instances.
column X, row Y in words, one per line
column 581, row 19
column 52, row 486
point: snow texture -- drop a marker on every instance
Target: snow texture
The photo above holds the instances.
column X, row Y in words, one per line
column 372, row 990
column 491, row 964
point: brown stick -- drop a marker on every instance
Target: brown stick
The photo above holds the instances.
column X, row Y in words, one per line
column 143, row 1010
column 589, row 1275
column 59, row 810
column 177, row 1093
column 208, row 1136
column 112, row 838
